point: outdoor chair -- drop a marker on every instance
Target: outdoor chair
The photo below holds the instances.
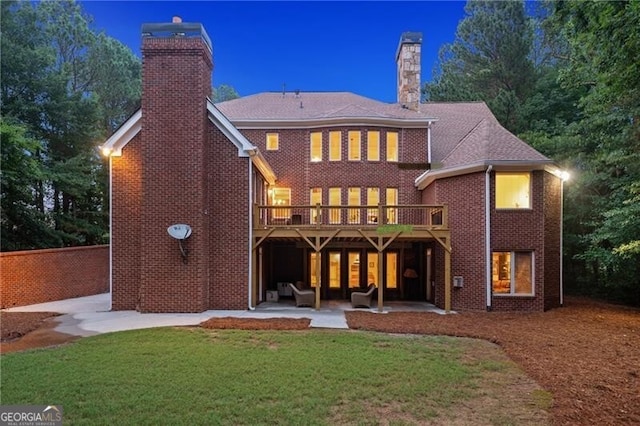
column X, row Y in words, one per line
column 303, row 297
column 362, row 299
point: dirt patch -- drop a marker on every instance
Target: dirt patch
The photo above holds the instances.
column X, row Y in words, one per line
column 257, row 323
column 30, row 330
column 586, row 354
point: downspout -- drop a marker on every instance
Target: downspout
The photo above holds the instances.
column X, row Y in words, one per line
column 110, row 233
column 561, row 241
column 429, row 144
column 250, row 280
column 487, row 232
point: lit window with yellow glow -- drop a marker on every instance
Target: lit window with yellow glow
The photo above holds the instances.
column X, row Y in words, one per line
column 392, row 146
column 354, row 200
column 281, row 197
column 392, row 270
column 334, row 270
column 314, row 259
column 335, row 199
column 373, row 199
column 315, row 198
column 392, row 200
column 373, row 146
column 512, row 273
column 354, row 146
column 316, row 147
column 513, row 190
column 354, row 269
column 372, row 268
column 335, row 146
column 273, row 142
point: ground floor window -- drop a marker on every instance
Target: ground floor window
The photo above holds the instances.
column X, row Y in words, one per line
column 512, row 272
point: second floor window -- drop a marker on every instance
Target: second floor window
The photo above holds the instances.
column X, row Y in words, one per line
column 373, row 199
column 273, row 143
column 373, row 146
column 316, row 146
column 392, row 200
column 392, row 146
column 281, row 197
column 315, row 198
column 354, row 145
column 513, row 190
column 335, row 199
column 354, row 200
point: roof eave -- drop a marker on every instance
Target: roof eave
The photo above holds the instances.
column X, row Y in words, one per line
column 428, row 177
column 245, row 148
column 415, row 123
column 121, row 137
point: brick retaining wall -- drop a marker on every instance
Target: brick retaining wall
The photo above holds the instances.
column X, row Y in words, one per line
column 38, row 276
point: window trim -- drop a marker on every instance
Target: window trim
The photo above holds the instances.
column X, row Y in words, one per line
column 512, row 276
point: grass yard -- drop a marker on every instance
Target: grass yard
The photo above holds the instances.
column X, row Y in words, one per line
column 197, row 376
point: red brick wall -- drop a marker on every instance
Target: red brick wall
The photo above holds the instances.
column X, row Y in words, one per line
column 38, row 276
column 176, row 82
column 465, row 197
column 126, row 200
column 521, row 230
column 552, row 223
column 536, row 229
column 294, row 170
column 229, row 217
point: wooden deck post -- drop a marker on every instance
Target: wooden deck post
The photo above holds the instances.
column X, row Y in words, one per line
column 380, row 281
column 318, row 264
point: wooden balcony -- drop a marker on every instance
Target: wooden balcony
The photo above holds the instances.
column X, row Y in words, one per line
column 414, row 221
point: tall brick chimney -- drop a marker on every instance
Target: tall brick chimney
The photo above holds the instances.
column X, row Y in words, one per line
column 177, row 63
column 408, row 61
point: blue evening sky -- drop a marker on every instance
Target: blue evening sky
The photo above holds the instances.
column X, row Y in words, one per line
column 311, row 46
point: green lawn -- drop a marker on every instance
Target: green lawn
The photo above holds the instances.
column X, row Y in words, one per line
column 197, row 376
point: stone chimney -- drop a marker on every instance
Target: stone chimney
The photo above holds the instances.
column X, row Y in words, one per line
column 408, row 61
column 177, row 63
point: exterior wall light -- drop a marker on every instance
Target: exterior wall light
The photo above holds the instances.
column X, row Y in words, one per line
column 106, row 151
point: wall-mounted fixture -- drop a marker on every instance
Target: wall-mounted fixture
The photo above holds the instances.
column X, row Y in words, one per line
column 458, row 282
column 180, row 232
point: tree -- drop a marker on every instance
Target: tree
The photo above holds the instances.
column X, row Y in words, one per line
column 224, row 93
column 603, row 46
column 68, row 87
column 489, row 60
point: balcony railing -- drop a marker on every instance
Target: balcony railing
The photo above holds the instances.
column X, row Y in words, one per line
column 417, row 215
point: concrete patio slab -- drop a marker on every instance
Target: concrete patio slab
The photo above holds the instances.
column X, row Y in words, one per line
column 86, row 316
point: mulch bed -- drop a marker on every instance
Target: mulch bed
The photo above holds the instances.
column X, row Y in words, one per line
column 587, row 353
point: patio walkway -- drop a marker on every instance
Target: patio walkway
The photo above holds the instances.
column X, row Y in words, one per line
column 86, row 316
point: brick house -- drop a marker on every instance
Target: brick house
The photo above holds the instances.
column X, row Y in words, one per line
column 431, row 202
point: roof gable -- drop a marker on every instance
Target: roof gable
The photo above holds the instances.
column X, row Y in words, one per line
column 130, row 128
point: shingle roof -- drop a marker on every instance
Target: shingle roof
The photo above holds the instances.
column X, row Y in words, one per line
column 467, row 133
column 310, row 106
column 463, row 132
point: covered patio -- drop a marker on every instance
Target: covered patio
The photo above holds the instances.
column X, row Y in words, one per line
column 321, row 228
